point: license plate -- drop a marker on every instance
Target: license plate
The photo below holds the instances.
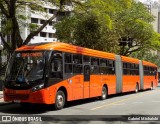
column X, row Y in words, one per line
column 17, row 101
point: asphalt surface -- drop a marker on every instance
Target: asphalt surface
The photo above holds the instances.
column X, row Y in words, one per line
column 128, row 105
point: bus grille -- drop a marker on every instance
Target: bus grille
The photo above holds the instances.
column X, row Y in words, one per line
column 17, row 96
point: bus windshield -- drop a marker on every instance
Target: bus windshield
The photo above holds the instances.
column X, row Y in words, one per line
column 25, row 67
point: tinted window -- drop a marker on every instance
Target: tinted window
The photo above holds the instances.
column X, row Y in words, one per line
column 94, row 61
column 56, row 70
column 102, row 62
column 68, row 63
column 77, row 68
column 130, row 68
column 77, row 59
column 86, row 59
column 68, row 58
column 68, row 68
column 94, row 70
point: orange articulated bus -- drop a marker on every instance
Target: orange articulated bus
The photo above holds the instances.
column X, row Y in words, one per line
column 54, row 73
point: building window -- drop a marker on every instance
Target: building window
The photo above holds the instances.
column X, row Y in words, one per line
column 42, row 21
column 52, row 11
column 34, row 20
column 51, row 23
column 43, row 34
column 45, row 10
column 51, row 35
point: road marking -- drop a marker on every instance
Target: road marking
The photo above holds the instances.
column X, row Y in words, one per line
column 120, row 104
column 155, row 101
column 137, row 102
column 116, row 102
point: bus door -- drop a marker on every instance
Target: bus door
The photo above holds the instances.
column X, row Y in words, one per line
column 86, row 81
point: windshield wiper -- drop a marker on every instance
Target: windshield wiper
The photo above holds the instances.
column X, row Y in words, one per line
column 21, row 77
column 18, row 71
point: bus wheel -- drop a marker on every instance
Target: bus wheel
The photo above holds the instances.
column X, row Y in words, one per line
column 60, row 100
column 104, row 93
column 151, row 86
column 25, row 104
column 137, row 88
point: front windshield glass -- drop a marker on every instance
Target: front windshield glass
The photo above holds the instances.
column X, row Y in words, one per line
column 25, row 66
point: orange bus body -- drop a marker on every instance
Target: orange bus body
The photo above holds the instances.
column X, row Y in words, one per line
column 75, row 86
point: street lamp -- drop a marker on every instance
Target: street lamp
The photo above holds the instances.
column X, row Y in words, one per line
column 1, row 48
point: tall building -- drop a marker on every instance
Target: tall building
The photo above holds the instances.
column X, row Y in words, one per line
column 48, row 33
column 153, row 8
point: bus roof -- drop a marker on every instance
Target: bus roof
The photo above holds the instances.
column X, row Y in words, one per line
column 58, row 46
column 131, row 60
column 148, row 64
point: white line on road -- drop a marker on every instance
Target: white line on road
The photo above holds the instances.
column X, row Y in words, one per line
column 137, row 102
column 155, row 101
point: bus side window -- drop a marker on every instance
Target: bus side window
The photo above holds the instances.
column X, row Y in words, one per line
column 56, row 66
column 111, row 66
column 94, row 66
column 68, row 63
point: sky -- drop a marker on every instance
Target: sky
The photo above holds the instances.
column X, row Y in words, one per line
column 147, row 0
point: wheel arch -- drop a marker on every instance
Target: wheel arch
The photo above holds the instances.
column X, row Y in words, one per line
column 152, row 85
column 62, row 88
column 137, row 83
column 105, row 85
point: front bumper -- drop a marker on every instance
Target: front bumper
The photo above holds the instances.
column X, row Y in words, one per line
column 41, row 96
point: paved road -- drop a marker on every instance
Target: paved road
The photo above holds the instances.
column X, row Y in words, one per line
column 142, row 103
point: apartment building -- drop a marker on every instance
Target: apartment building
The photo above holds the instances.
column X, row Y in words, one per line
column 48, row 33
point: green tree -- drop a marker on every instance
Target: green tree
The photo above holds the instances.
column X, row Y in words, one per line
column 147, row 56
column 86, row 31
column 134, row 26
column 93, row 27
column 123, row 30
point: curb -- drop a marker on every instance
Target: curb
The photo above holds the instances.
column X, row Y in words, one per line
column 5, row 103
column 2, row 102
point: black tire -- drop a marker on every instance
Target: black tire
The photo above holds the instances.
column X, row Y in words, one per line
column 25, row 104
column 60, row 100
column 137, row 89
column 104, row 93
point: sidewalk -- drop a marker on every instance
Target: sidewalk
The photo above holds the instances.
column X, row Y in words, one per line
column 1, row 97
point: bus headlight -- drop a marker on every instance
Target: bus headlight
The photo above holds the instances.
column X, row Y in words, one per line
column 38, row 87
